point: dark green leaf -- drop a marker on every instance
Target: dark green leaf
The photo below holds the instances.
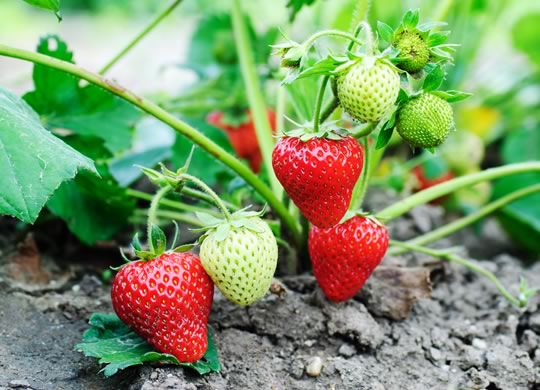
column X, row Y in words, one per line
column 33, row 162
column 385, row 31
column 115, row 345
column 94, row 208
column 89, row 110
column 434, row 79
column 205, row 166
column 521, row 218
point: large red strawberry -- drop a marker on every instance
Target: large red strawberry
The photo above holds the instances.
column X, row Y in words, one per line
column 166, row 301
column 242, row 136
column 344, row 256
column 319, row 175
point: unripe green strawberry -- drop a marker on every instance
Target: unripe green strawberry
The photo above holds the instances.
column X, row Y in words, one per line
column 368, row 90
column 425, row 121
column 413, row 51
column 242, row 261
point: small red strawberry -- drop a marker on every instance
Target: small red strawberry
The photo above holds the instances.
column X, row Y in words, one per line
column 166, row 301
column 344, row 256
column 242, row 136
column 430, row 174
column 319, row 175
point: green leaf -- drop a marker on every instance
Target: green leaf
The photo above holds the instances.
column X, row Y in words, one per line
column 33, row 162
column 158, row 239
column 115, row 345
column 384, row 137
column 206, row 166
column 89, row 110
column 296, row 5
column 410, row 19
column 52, row 5
column 452, row 96
column 434, row 79
column 521, row 218
column 94, row 208
column 385, row 31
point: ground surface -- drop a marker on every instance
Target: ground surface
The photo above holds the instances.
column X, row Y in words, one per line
column 464, row 337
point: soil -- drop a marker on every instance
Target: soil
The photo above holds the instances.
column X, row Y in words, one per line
column 459, row 333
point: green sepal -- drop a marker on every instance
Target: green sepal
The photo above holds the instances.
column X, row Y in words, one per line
column 433, row 79
column 145, row 255
column 158, row 240
column 222, row 227
column 184, row 248
column 136, row 243
column 411, row 19
column 385, row 32
column 385, row 134
column 452, row 96
column 326, row 66
column 327, row 130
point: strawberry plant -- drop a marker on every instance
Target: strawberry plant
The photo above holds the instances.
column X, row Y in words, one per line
column 290, row 172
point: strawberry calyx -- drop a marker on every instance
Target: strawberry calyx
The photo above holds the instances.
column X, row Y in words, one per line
column 221, row 227
column 327, row 130
column 361, row 213
column 157, row 245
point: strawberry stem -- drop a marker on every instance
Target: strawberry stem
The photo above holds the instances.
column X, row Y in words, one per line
column 336, row 33
column 318, row 104
column 425, row 196
column 463, row 222
column 217, row 200
column 452, row 257
column 152, row 214
column 364, row 25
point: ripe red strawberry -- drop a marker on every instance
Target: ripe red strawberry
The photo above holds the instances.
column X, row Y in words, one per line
column 344, row 256
column 319, row 175
column 167, row 302
column 243, row 137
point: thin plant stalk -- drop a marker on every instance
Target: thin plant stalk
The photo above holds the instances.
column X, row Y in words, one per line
column 140, row 36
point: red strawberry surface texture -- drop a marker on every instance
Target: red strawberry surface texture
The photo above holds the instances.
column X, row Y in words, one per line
column 166, row 301
column 344, row 256
column 319, row 175
column 242, row 137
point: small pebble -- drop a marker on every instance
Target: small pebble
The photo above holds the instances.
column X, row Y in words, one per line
column 309, row 343
column 346, row 350
column 154, row 375
column 435, row 353
column 76, row 288
column 314, row 366
column 19, row 384
column 479, row 344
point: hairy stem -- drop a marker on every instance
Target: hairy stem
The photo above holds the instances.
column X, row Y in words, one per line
column 451, row 257
column 180, row 126
column 140, row 36
column 172, row 215
column 318, row 104
column 254, row 93
column 217, row 200
column 174, row 204
column 335, row 33
column 445, row 188
column 463, row 222
column 152, row 213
